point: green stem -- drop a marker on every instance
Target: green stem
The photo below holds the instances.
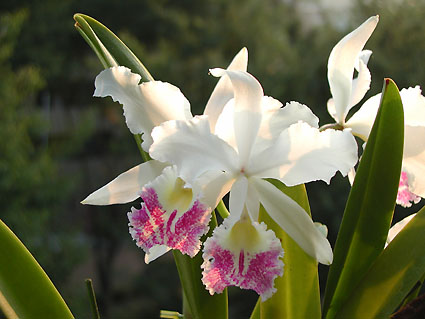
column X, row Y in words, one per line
column 92, row 297
column 139, row 140
column 222, row 210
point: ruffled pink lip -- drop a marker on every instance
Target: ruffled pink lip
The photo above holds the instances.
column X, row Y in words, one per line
column 151, row 225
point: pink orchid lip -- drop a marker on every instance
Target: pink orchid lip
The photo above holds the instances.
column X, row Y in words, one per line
column 405, row 197
column 246, row 268
column 152, row 225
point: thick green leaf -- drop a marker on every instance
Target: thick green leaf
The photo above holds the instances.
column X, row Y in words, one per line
column 394, row 273
column 24, row 284
column 199, row 303
column 110, row 50
column 368, row 213
column 298, row 294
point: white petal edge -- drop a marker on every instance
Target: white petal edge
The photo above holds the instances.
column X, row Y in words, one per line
column 238, row 195
column 341, row 65
column 247, row 110
column 397, row 227
column 414, row 158
column 146, row 105
column 294, row 220
column 223, row 91
column 303, row 154
column 192, row 148
column 156, row 252
column 360, row 85
column 127, row 186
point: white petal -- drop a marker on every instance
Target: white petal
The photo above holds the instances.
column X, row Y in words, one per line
column 414, row 106
column 223, row 91
column 224, row 127
column 360, row 85
column 396, row 228
column 362, row 121
column 145, row 105
column 414, row 158
column 341, row 65
column 191, row 146
column 276, row 119
column 252, row 202
column 127, row 186
column 156, row 252
column 303, row 154
column 213, row 185
column 238, row 195
column 294, row 220
column 247, row 117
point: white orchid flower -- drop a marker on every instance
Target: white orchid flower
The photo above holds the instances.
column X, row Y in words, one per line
column 173, row 216
column 252, row 139
column 348, row 56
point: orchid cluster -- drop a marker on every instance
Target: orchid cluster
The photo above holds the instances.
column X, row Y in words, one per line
column 243, row 139
column 256, row 153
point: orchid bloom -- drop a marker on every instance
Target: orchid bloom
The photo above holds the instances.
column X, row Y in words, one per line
column 173, row 216
column 348, row 56
column 252, row 139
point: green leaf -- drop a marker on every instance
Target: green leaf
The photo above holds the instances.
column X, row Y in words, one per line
column 200, row 304
column 298, row 294
column 394, row 273
column 24, row 284
column 110, row 50
column 368, row 213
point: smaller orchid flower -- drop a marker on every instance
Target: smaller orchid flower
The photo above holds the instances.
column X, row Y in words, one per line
column 252, row 139
column 242, row 253
column 173, row 215
column 348, row 56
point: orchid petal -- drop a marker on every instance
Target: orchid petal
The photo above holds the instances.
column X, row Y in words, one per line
column 223, row 92
column 238, row 195
column 405, row 197
column 362, row 121
column 252, row 203
column 303, row 154
column 341, row 65
column 294, row 220
column 127, row 186
column 242, row 253
column 414, row 158
column 360, row 85
column 191, row 146
column 171, row 215
column 247, row 118
column 156, row 252
column 213, row 185
column 276, row 119
column 413, row 105
column 145, row 105
column 397, row 227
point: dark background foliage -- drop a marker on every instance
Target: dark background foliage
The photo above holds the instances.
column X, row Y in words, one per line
column 58, row 143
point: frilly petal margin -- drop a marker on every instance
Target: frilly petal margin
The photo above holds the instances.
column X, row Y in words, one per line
column 171, row 216
column 293, row 220
column 127, row 186
column 341, row 65
column 146, row 105
column 242, row 254
column 303, row 154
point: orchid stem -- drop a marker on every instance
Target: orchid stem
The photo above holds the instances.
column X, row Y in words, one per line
column 222, row 210
column 139, row 141
column 92, row 297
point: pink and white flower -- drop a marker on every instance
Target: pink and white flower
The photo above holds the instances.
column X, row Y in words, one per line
column 162, row 223
column 255, row 138
column 346, row 57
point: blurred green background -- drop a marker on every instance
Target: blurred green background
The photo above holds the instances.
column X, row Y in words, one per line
column 58, row 143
